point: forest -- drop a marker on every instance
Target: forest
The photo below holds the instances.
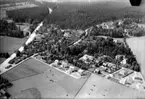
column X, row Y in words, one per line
column 75, row 16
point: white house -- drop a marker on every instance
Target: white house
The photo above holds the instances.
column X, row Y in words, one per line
column 87, row 58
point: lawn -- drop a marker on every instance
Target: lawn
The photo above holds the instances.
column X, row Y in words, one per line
column 10, row 44
column 98, row 87
column 49, row 81
column 137, row 45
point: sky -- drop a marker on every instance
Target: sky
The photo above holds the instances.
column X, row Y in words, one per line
column 85, row 0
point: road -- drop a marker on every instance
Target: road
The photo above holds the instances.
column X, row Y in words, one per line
column 30, row 39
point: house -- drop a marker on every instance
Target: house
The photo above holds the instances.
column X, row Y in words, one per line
column 80, row 71
column 71, row 69
column 4, row 94
column 25, row 27
column 67, row 34
column 128, row 81
column 9, row 20
column 111, row 65
column 137, row 77
column 97, row 70
column 105, row 64
column 87, row 58
column 120, row 22
column 122, row 72
column 64, row 64
column 119, row 57
column 124, row 81
column 124, row 61
column 109, row 70
column 56, row 62
column 102, row 68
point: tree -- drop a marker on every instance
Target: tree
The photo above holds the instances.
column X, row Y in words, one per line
column 18, row 53
column 136, row 66
column 7, row 55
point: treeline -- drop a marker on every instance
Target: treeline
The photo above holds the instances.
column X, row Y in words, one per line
column 10, row 29
column 138, row 32
column 4, row 55
column 115, row 33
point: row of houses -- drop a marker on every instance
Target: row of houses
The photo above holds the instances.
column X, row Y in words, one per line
column 69, row 68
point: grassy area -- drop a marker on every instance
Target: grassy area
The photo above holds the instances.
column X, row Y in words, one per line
column 28, row 68
column 1, row 60
column 50, row 80
column 10, row 44
column 106, row 89
column 137, row 45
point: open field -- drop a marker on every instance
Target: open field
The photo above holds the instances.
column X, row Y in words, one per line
column 1, row 60
column 137, row 45
column 99, row 87
column 28, row 68
column 49, row 81
column 10, row 44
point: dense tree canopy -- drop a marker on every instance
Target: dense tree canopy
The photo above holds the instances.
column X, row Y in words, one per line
column 10, row 29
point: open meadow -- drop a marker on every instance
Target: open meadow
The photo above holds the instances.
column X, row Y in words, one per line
column 50, row 82
column 137, row 45
column 10, row 44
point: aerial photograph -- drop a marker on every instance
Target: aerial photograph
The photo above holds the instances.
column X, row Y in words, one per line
column 73, row 49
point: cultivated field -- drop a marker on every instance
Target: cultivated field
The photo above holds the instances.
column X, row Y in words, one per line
column 49, row 81
column 99, row 87
column 137, row 45
column 10, row 44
